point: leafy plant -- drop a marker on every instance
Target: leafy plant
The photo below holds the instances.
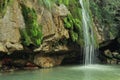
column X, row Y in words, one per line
column 32, row 34
column 73, row 21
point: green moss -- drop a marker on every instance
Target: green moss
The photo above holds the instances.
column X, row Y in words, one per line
column 32, row 34
column 3, row 6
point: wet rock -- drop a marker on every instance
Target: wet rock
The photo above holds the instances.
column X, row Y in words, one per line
column 108, row 53
column 47, row 62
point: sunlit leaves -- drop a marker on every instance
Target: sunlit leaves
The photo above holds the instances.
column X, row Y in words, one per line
column 32, row 34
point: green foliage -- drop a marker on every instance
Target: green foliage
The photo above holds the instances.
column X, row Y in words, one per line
column 65, row 2
column 26, row 38
column 74, row 36
column 73, row 22
column 74, row 26
column 105, row 12
column 3, row 6
column 32, row 34
column 68, row 21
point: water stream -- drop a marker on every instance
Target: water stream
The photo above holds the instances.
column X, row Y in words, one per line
column 89, row 41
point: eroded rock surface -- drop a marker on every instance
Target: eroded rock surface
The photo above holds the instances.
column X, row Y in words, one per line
column 47, row 62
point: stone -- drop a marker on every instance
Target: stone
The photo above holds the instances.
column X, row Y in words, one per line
column 114, row 61
column 47, row 62
column 2, row 48
column 108, row 53
column 44, row 62
column 111, row 61
column 10, row 25
column 116, row 55
column 60, row 10
column 13, row 47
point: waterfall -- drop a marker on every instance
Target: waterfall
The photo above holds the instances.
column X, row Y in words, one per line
column 88, row 33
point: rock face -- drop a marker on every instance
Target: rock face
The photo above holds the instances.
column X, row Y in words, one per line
column 53, row 27
column 53, row 30
column 9, row 28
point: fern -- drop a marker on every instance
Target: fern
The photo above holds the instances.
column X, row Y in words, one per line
column 32, row 34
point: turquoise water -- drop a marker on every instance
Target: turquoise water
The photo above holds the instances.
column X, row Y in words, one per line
column 95, row 72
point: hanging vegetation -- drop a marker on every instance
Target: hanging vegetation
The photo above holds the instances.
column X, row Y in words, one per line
column 32, row 34
column 73, row 21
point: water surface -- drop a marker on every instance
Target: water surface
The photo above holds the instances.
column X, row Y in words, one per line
column 94, row 72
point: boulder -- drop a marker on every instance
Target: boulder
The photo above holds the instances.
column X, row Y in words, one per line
column 108, row 54
column 47, row 62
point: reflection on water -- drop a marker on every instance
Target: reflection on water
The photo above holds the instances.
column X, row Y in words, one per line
column 96, row 72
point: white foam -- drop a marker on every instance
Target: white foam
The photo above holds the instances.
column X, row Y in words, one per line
column 95, row 67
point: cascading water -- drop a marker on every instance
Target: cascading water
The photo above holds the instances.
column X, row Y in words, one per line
column 89, row 41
